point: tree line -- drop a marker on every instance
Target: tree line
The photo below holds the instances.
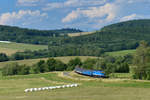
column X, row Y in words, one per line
column 141, row 62
column 107, row 64
column 31, row 36
column 137, row 64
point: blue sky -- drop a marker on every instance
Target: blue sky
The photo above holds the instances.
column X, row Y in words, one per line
column 87, row 15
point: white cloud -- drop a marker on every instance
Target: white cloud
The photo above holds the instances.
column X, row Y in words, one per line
column 23, row 16
column 51, row 6
column 134, row 16
column 138, row 1
column 130, row 17
column 28, row 2
column 108, row 10
column 73, row 3
column 71, row 16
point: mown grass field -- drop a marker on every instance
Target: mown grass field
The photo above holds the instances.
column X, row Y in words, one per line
column 12, row 88
column 10, row 48
column 121, row 53
column 79, row 34
column 33, row 61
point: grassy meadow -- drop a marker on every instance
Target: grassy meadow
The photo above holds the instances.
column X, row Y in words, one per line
column 121, row 53
column 10, row 48
column 12, row 88
column 79, row 34
column 117, row 87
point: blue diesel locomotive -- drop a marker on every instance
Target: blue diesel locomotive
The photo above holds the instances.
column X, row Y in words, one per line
column 92, row 73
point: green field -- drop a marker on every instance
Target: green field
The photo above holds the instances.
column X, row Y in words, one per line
column 121, row 53
column 33, row 61
column 79, row 34
column 10, row 48
column 12, row 88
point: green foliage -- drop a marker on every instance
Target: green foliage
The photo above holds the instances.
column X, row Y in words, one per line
column 60, row 66
column 15, row 69
column 23, row 70
column 73, row 63
column 120, row 36
column 123, row 68
column 3, row 57
column 40, row 67
column 22, row 35
column 89, row 63
column 141, row 62
column 113, row 64
column 51, row 64
column 28, row 54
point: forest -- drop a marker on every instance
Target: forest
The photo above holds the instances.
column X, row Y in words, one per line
column 31, row 36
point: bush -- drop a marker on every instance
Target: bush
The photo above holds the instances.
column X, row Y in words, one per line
column 60, row 66
column 3, row 57
column 51, row 64
column 40, row 67
column 15, row 69
column 73, row 63
column 122, row 68
column 89, row 63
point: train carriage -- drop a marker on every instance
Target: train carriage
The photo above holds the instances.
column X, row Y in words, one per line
column 92, row 73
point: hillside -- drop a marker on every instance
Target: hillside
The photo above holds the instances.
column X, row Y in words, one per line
column 11, row 48
column 115, row 37
column 121, row 53
column 23, row 35
column 12, row 88
column 79, row 34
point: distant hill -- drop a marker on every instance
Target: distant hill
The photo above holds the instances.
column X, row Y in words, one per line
column 115, row 37
column 24, row 35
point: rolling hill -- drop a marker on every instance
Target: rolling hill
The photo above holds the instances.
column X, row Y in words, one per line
column 32, row 36
column 115, row 37
column 12, row 47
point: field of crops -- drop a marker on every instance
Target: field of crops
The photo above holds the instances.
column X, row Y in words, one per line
column 10, row 48
column 12, row 88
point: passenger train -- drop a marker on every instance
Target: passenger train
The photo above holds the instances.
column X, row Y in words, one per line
column 92, row 73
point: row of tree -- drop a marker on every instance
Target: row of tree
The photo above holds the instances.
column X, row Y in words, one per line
column 141, row 68
column 54, row 51
column 108, row 64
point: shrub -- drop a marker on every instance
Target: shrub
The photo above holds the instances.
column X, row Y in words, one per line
column 73, row 63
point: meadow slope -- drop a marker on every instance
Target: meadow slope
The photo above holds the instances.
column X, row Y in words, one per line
column 10, row 48
column 12, row 88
